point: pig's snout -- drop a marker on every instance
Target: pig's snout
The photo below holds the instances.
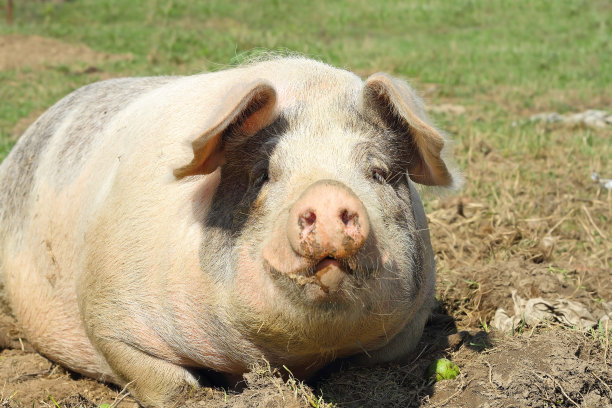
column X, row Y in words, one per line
column 328, row 220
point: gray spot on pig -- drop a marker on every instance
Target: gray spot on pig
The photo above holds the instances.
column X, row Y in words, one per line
column 236, row 196
column 88, row 109
column 238, row 188
column 406, row 220
column 23, row 160
column 390, row 140
column 96, row 106
column 389, row 145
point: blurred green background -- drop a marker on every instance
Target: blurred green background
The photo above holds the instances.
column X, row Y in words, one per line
column 501, row 60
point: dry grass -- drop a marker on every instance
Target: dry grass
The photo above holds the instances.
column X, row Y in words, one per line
column 532, row 211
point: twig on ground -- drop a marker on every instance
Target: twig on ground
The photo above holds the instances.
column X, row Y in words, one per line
column 554, row 227
column 588, row 214
column 490, row 372
column 563, row 392
column 604, row 383
column 121, row 396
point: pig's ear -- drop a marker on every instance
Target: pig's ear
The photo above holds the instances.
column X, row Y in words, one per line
column 401, row 110
column 247, row 108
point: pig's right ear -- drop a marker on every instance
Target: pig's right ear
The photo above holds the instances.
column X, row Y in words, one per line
column 249, row 107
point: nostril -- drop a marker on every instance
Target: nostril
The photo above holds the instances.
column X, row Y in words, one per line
column 347, row 217
column 307, row 219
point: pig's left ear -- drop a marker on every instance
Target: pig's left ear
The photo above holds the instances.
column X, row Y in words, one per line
column 247, row 108
column 401, row 110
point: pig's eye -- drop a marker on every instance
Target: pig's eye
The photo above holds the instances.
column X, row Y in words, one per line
column 380, row 175
column 261, row 178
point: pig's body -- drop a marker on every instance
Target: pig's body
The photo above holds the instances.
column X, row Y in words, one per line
column 153, row 224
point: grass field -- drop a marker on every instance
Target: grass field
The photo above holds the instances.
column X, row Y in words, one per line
column 531, row 217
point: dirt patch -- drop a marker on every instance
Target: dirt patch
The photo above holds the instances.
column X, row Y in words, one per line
column 542, row 367
column 553, row 368
column 18, row 51
column 472, row 295
column 30, row 379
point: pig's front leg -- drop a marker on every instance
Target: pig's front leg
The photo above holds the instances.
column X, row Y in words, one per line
column 152, row 381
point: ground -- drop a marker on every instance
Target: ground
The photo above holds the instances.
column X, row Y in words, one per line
column 530, row 220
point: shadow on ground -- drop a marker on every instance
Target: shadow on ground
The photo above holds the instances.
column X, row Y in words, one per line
column 402, row 383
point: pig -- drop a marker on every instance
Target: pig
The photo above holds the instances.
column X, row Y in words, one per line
column 151, row 227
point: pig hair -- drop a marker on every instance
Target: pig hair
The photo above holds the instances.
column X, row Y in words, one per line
column 257, row 55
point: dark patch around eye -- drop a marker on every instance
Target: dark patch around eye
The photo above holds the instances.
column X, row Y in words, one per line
column 261, row 178
column 244, row 175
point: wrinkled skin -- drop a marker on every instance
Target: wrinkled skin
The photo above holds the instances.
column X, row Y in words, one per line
column 150, row 226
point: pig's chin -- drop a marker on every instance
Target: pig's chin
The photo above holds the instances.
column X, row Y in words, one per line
column 325, row 280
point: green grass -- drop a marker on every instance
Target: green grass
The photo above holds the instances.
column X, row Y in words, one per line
column 463, row 44
column 501, row 57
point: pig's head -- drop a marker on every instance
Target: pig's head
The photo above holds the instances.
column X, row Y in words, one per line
column 324, row 228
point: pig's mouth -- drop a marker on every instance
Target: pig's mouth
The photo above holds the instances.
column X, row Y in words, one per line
column 323, row 279
column 329, row 274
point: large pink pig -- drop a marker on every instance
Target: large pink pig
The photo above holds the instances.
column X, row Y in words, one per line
column 150, row 226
